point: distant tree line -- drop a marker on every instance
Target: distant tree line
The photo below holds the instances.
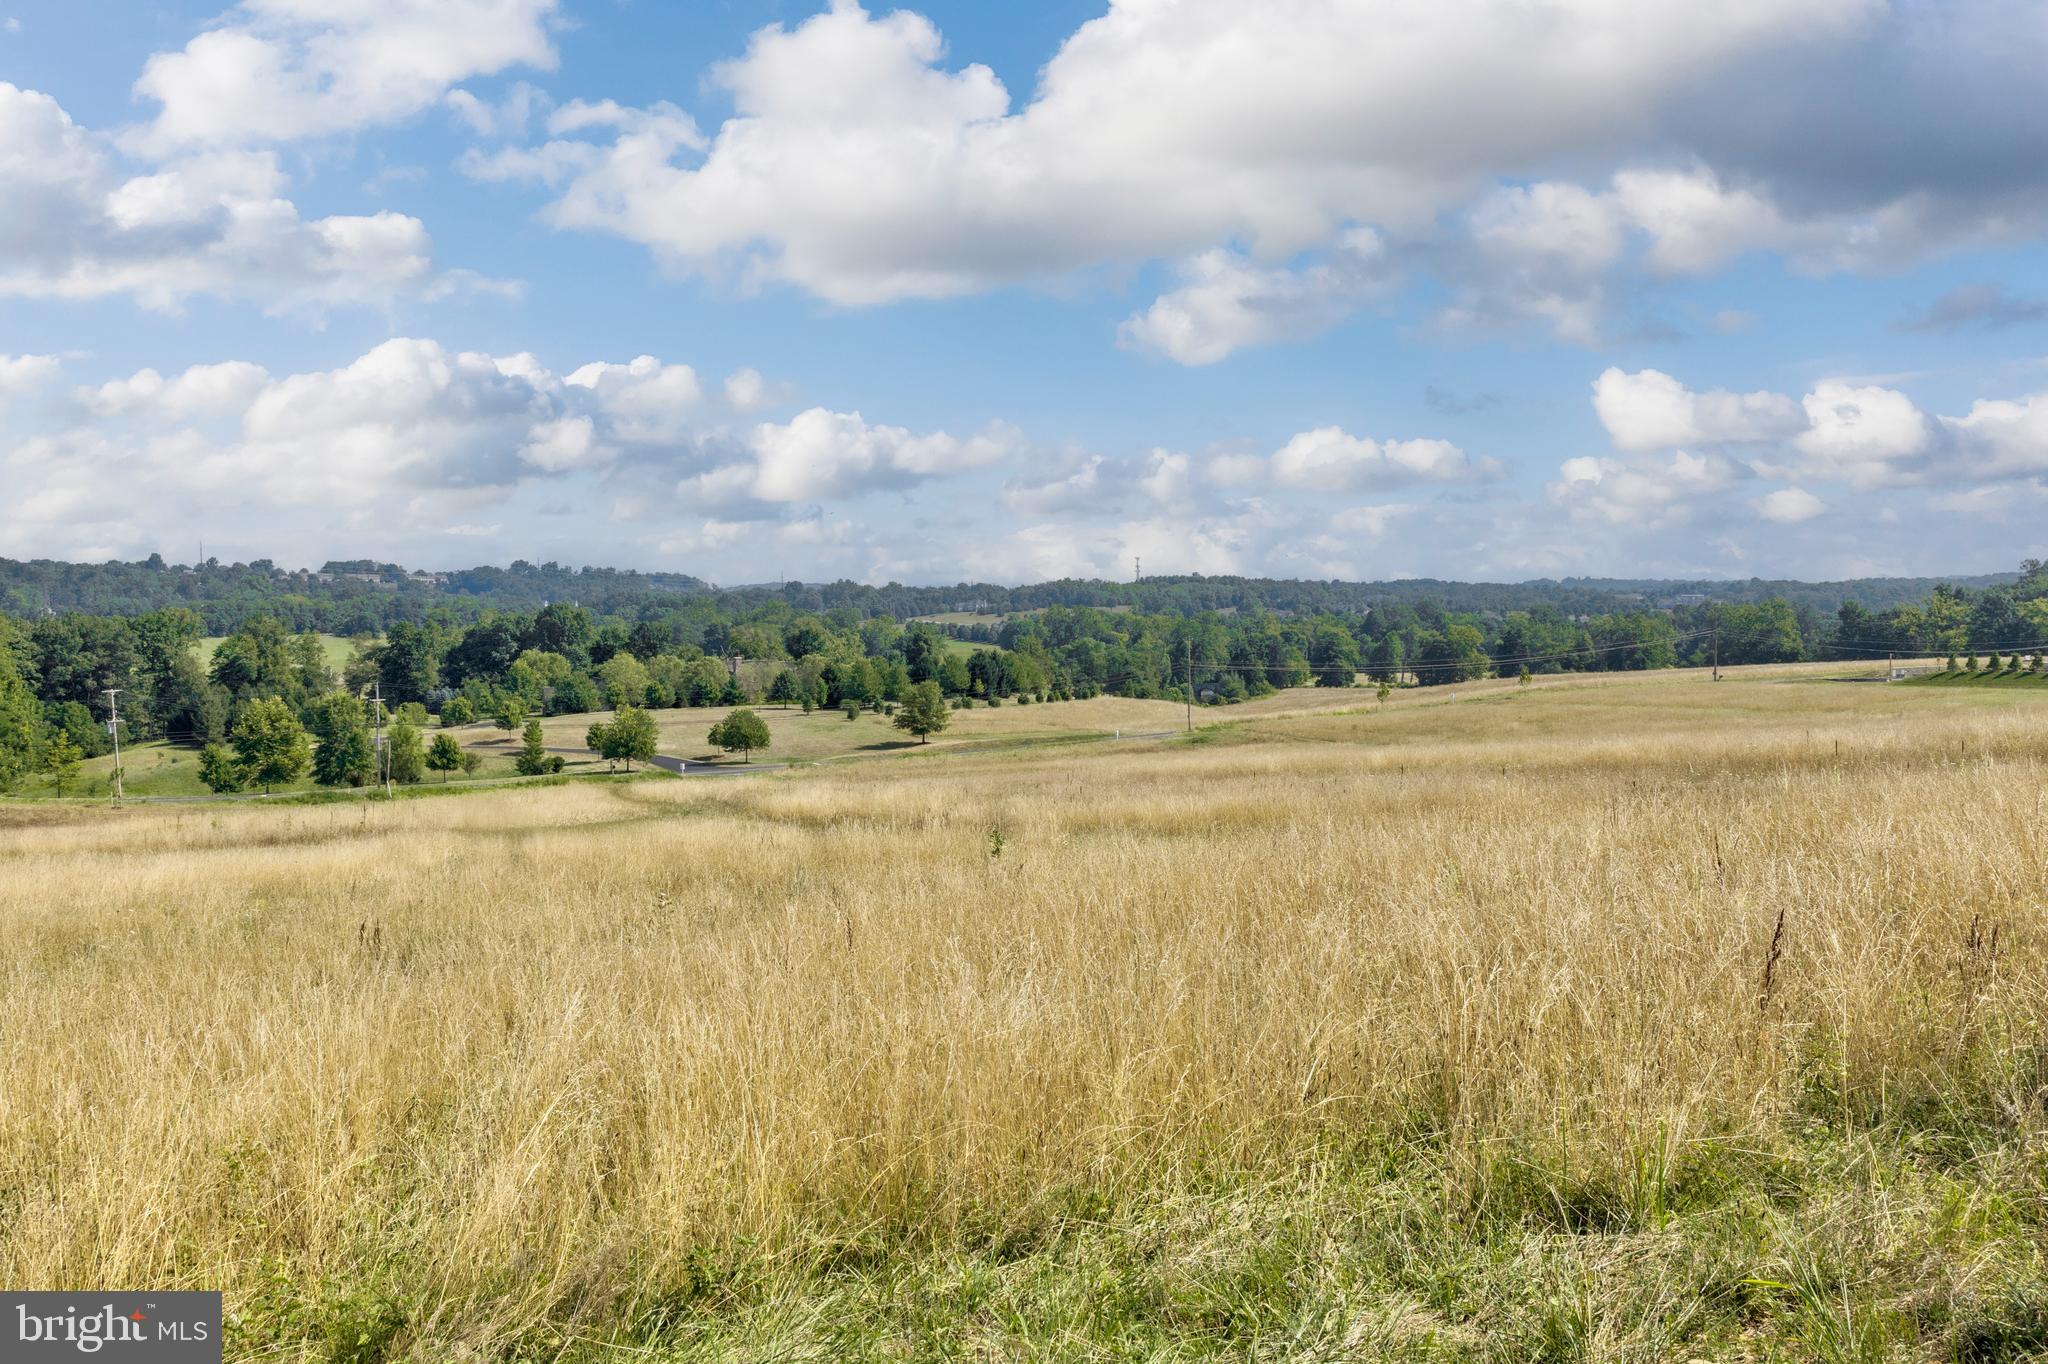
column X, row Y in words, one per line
column 273, row 707
column 349, row 597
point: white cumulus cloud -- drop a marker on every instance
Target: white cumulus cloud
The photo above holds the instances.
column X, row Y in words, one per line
column 824, row 454
column 1225, row 302
column 1642, row 494
column 1650, row 410
column 1330, row 459
column 76, row 227
column 24, row 373
column 1790, row 506
column 858, row 165
column 283, row 70
column 1864, row 435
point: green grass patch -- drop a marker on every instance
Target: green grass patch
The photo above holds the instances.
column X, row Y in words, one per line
column 582, row 772
column 166, row 770
column 337, row 649
column 1831, row 1248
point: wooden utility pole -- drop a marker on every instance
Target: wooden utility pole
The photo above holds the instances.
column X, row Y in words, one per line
column 383, row 753
column 114, row 728
column 1717, row 655
column 1190, row 644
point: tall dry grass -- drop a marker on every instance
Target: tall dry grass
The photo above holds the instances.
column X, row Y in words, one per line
column 527, row 1052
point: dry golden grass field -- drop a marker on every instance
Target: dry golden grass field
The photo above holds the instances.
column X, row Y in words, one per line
column 1621, row 1019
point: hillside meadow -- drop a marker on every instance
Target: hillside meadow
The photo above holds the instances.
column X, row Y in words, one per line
column 824, row 735
column 333, row 648
column 1630, row 1018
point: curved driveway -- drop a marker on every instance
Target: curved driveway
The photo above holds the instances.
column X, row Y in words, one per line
column 686, row 767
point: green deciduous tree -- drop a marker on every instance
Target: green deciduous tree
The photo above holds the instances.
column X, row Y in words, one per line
column 444, row 755
column 183, row 704
column 538, row 675
column 631, row 737
column 405, row 753
column 564, row 629
column 484, row 652
column 1333, row 655
column 220, row 769
column 1632, row 640
column 1757, row 632
column 511, row 713
column 20, row 720
column 1388, row 659
column 953, row 675
column 342, row 754
column 622, row 680
column 1457, row 654
column 924, row 711
column 271, row 743
column 806, row 636
column 741, row 732
column 75, row 720
column 576, row 694
column 61, row 758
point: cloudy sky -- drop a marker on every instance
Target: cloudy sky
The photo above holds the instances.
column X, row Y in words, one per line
column 761, row 289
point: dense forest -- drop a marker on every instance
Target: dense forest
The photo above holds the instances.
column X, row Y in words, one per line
column 499, row 643
column 358, row 597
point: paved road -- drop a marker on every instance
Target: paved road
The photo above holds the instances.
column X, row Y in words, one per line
column 687, row 767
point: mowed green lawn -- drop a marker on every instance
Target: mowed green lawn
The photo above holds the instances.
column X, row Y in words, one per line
column 157, row 768
column 337, row 649
column 797, row 737
column 827, row 734
column 963, row 618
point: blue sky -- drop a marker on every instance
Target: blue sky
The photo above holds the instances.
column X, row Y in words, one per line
column 758, row 290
